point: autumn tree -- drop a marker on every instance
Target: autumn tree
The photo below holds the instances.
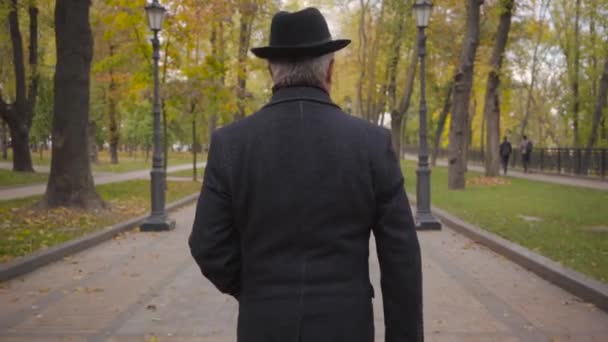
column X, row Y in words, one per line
column 492, row 99
column 463, row 82
column 19, row 113
column 247, row 12
column 70, row 182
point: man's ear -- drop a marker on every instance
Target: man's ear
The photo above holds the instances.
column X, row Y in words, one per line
column 330, row 72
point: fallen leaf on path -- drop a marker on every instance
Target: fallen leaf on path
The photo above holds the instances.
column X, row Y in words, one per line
column 44, row 290
column 468, row 245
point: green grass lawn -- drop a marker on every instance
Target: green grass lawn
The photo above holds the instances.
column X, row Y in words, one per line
column 567, row 224
column 10, row 178
column 188, row 173
column 23, row 230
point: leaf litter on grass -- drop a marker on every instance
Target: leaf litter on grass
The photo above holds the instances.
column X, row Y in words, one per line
column 488, row 181
column 25, row 229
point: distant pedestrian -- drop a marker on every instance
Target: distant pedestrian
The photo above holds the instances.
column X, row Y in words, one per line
column 526, row 151
column 505, row 152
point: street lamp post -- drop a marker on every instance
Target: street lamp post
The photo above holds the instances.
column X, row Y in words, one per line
column 424, row 217
column 158, row 219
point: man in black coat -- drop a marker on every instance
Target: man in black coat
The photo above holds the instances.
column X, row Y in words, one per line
column 290, row 197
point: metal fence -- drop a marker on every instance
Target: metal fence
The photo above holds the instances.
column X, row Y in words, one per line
column 568, row 161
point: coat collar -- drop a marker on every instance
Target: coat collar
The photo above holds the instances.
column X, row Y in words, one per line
column 300, row 93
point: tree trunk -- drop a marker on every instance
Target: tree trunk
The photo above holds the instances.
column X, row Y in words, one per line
column 3, row 140
column 399, row 114
column 70, row 182
column 597, row 113
column 463, row 82
column 491, row 111
column 247, row 10
column 148, row 147
column 113, row 134
column 92, row 144
column 19, row 114
column 469, row 129
column 20, row 142
column 575, row 78
column 393, row 63
column 194, row 140
column 524, row 122
column 362, row 56
column 372, row 92
column 443, row 116
column 482, row 137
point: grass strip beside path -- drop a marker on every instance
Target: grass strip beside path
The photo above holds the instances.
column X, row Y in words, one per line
column 565, row 223
column 10, row 178
column 23, row 231
column 188, row 173
column 126, row 161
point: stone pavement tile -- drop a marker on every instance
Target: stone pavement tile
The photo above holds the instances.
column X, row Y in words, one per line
column 89, row 304
column 451, row 307
column 90, row 309
column 188, row 306
column 539, row 304
column 45, row 284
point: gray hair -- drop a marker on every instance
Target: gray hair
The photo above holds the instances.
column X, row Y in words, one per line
column 300, row 72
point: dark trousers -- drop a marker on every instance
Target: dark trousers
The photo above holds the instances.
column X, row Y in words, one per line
column 525, row 159
column 505, row 163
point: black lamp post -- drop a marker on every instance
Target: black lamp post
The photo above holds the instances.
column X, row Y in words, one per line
column 158, row 219
column 424, row 217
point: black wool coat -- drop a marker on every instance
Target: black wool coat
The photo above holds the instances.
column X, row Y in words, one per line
column 290, row 197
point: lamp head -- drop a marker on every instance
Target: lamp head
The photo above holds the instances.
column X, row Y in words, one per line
column 156, row 15
column 422, row 10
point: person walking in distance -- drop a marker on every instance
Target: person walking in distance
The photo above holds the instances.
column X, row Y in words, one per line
column 505, row 153
column 526, row 151
column 290, row 197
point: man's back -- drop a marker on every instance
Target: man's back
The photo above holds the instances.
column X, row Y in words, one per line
column 291, row 195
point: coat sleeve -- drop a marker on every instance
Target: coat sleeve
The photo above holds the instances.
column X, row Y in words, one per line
column 214, row 241
column 398, row 250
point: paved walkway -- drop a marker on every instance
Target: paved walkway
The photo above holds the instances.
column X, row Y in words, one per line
column 39, row 168
column 542, row 177
column 103, row 178
column 146, row 287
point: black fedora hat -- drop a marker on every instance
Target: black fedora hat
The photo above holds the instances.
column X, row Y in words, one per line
column 299, row 35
